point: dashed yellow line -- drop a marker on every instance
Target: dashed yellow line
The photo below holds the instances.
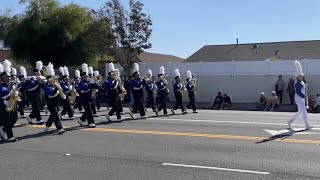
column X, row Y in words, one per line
column 216, row 136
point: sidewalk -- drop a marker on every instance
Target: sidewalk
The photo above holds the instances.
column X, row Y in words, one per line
column 236, row 106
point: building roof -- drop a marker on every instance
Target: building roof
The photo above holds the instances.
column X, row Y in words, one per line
column 4, row 54
column 290, row 50
column 147, row 57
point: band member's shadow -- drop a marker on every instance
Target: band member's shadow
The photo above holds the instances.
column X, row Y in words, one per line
column 281, row 136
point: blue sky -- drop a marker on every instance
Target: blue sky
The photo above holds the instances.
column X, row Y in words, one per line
column 181, row 27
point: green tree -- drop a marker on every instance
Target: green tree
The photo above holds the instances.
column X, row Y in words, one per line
column 132, row 30
column 64, row 35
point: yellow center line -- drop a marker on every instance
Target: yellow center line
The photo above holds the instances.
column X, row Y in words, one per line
column 185, row 134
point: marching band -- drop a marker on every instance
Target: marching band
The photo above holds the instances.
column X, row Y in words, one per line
column 84, row 91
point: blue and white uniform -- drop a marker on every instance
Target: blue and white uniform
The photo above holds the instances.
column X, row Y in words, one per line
column 300, row 96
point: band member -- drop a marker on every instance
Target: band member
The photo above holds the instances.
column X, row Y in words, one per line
column 191, row 92
column 8, row 102
column 178, row 89
column 53, row 91
column 111, row 85
column 94, row 91
column 22, row 89
column 162, row 86
column 85, row 92
column 76, row 97
column 33, row 94
column 137, row 92
column 150, row 88
column 98, row 94
column 300, row 96
column 67, row 89
column 122, row 91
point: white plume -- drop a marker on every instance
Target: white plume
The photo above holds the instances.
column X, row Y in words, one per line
column 39, row 65
column 298, row 68
column 1, row 68
column 66, row 71
column 6, row 66
column 23, row 72
column 13, row 71
column 162, row 70
column 85, row 68
column 77, row 73
column 150, row 72
column 90, row 70
column 61, row 70
column 189, row 75
column 50, row 70
column 176, row 71
column 118, row 72
column 111, row 67
column 96, row 73
column 135, row 67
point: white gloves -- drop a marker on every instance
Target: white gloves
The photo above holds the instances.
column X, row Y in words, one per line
column 6, row 103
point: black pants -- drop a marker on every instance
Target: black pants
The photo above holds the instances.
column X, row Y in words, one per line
column 192, row 104
column 87, row 115
column 66, row 108
column 163, row 101
column 178, row 101
column 93, row 106
column 279, row 94
column 138, row 103
column 98, row 102
column 54, row 113
column 78, row 104
column 35, row 104
column 8, row 121
column 150, row 100
column 114, row 103
column 291, row 99
column 21, row 105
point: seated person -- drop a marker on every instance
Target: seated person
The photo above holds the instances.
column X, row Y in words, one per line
column 226, row 102
column 272, row 102
column 217, row 101
column 216, row 104
column 262, row 102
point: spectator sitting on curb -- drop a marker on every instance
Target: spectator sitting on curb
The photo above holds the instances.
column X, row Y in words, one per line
column 262, row 102
column 272, row 102
column 226, row 102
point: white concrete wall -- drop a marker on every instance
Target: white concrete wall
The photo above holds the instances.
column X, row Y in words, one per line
column 242, row 81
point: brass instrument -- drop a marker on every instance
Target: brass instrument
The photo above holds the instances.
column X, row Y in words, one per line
column 74, row 95
column 61, row 93
column 165, row 82
column 14, row 99
column 183, row 88
column 124, row 92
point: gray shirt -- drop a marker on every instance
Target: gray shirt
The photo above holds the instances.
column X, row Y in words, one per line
column 280, row 84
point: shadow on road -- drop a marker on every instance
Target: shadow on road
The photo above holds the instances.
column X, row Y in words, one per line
column 280, row 136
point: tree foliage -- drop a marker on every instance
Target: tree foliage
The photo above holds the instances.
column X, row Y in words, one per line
column 47, row 31
column 131, row 29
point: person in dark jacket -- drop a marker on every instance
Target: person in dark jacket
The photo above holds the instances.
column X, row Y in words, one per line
column 218, row 101
column 291, row 90
column 226, row 102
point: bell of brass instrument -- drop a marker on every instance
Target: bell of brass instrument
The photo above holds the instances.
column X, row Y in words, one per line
column 14, row 99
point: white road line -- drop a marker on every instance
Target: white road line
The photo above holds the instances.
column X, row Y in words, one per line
column 234, row 122
column 216, row 168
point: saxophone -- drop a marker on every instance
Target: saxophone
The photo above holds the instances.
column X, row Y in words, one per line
column 14, row 99
column 123, row 90
column 183, row 88
column 74, row 95
column 61, row 93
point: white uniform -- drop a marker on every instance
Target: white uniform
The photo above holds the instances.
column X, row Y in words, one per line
column 300, row 89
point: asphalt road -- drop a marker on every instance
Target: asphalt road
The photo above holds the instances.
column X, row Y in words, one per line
column 207, row 145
